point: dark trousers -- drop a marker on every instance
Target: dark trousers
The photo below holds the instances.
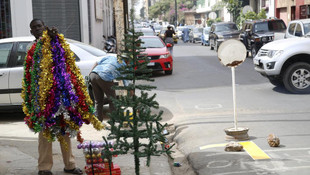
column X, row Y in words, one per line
column 101, row 88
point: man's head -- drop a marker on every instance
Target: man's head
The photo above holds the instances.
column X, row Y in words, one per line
column 37, row 27
column 169, row 27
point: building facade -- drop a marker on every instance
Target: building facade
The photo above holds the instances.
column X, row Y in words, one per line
column 289, row 10
column 82, row 20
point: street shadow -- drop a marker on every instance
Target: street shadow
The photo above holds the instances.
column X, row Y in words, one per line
column 281, row 89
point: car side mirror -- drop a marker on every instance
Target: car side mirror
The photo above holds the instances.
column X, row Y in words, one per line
column 169, row 45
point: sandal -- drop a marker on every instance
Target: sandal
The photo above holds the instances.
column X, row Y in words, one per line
column 74, row 171
column 45, row 172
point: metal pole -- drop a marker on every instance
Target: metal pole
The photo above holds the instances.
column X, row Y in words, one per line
column 176, row 13
column 234, row 95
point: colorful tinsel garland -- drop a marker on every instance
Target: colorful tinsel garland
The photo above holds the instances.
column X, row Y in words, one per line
column 56, row 101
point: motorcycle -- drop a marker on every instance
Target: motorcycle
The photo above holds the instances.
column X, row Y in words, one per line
column 109, row 44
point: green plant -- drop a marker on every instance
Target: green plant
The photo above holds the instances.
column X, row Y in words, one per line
column 210, row 22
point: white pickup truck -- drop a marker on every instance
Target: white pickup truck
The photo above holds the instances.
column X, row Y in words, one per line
column 286, row 62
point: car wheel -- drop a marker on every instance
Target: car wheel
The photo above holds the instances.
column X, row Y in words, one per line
column 168, row 72
column 202, row 43
column 296, row 78
column 253, row 51
column 193, row 40
column 275, row 81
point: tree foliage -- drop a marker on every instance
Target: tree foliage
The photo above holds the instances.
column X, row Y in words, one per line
column 165, row 9
column 250, row 15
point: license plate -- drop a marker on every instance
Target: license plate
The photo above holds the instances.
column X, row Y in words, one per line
column 256, row 62
column 151, row 64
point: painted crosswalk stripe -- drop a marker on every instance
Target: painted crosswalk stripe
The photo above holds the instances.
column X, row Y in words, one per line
column 254, row 151
column 250, row 147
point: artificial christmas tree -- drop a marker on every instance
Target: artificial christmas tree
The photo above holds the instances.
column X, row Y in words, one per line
column 133, row 125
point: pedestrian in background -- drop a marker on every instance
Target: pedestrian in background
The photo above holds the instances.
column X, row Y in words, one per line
column 169, row 38
column 45, row 160
column 185, row 34
column 101, row 77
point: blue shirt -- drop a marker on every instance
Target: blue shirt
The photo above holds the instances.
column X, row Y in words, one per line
column 107, row 68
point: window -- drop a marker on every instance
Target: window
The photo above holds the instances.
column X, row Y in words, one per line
column 298, row 31
column 5, row 19
column 307, row 28
column 21, row 53
column 5, row 50
column 291, row 28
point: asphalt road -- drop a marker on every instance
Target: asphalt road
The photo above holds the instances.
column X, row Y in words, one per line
column 198, row 99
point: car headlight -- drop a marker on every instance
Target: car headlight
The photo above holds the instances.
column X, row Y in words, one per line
column 164, row 56
column 220, row 36
column 274, row 53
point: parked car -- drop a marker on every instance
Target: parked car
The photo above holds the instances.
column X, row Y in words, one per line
column 180, row 31
column 254, row 34
column 157, row 29
column 146, row 31
column 286, row 62
column 162, row 35
column 297, row 28
column 222, row 31
column 12, row 54
column 195, row 34
column 157, row 52
column 205, row 36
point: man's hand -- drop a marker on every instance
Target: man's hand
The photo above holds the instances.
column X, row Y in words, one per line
column 52, row 32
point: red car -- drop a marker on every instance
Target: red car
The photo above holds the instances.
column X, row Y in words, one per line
column 157, row 52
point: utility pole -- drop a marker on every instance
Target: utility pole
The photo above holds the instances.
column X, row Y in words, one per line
column 176, row 13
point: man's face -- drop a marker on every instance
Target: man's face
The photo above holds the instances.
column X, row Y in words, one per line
column 37, row 28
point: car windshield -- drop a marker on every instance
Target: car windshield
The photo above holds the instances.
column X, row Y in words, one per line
column 226, row 27
column 276, row 26
column 261, row 27
column 90, row 49
column 307, row 27
column 152, row 43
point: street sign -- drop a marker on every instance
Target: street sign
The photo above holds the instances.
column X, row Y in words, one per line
column 231, row 54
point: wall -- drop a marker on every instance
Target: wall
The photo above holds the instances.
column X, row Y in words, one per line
column 21, row 15
column 84, row 21
column 96, row 27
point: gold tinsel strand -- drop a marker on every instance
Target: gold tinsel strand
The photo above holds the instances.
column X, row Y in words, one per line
column 45, row 76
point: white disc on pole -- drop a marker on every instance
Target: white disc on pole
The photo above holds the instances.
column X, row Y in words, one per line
column 212, row 15
column 231, row 53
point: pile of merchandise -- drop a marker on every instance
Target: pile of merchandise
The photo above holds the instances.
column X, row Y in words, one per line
column 97, row 161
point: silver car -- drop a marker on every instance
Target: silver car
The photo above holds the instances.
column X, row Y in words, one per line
column 12, row 54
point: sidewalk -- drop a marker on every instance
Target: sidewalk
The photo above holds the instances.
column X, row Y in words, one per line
column 18, row 155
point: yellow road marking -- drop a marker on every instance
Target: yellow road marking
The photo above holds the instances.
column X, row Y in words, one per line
column 250, row 147
column 254, row 151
